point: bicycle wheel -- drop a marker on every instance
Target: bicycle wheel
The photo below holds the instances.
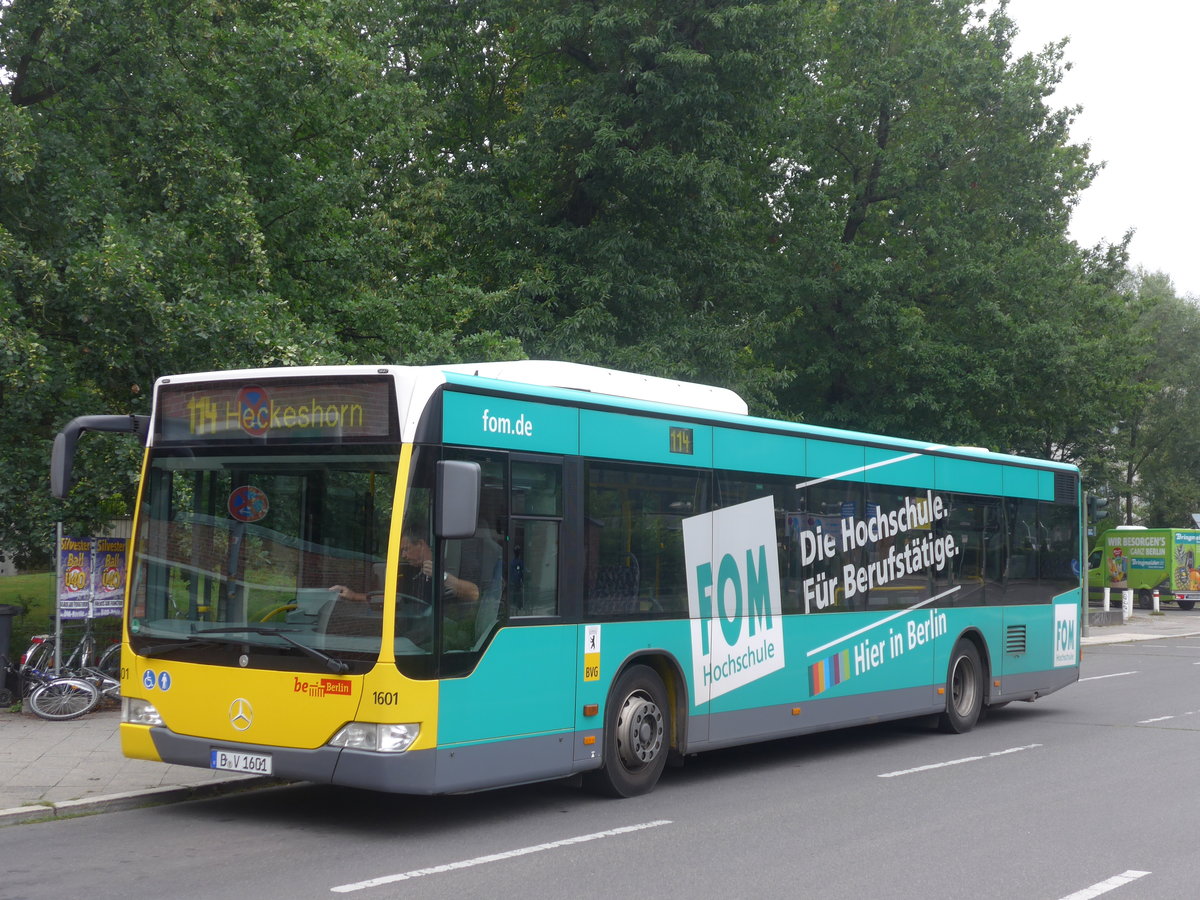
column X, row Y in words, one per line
column 110, row 662
column 64, row 698
column 40, row 654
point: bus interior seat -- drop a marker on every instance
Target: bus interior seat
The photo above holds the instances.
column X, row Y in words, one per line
column 615, row 591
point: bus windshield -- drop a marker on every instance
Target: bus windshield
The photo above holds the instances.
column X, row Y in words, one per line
column 264, row 557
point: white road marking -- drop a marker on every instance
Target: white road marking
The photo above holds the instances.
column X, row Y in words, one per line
column 1159, row 719
column 495, row 857
column 1113, row 675
column 956, row 762
column 1109, row 884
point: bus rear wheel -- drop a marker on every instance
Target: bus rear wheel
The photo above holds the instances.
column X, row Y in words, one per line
column 964, row 689
column 1186, row 604
column 637, row 730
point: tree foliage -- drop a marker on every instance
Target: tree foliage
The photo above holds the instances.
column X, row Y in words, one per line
column 852, row 212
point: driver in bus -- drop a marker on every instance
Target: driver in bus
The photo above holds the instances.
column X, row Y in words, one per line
column 460, row 594
column 416, row 553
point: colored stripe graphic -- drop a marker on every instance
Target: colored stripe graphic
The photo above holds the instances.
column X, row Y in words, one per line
column 828, row 672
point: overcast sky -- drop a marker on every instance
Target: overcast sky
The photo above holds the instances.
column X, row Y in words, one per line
column 1135, row 72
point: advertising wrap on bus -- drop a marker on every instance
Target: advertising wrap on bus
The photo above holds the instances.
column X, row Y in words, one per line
column 1144, row 560
column 733, row 597
column 433, row 580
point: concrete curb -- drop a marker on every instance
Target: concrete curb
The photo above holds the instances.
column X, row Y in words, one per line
column 1122, row 637
column 131, row 800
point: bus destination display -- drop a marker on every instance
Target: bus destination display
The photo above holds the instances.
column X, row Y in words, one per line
column 324, row 410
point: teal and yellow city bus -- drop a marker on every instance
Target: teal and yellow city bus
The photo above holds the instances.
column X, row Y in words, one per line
column 441, row 579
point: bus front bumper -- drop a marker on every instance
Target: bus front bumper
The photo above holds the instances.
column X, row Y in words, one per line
column 410, row 772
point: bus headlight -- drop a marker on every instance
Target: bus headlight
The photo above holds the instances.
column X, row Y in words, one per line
column 139, row 712
column 373, row 736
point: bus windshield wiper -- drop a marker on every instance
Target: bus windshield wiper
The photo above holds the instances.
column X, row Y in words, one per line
column 334, row 665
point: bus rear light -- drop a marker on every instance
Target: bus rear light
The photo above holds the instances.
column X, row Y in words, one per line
column 377, row 737
column 139, row 712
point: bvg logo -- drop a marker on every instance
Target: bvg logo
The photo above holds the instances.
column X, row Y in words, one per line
column 733, row 595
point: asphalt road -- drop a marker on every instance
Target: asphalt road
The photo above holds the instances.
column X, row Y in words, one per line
column 1093, row 790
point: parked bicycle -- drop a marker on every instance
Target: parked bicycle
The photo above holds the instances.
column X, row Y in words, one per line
column 64, row 697
column 74, row 689
column 34, row 667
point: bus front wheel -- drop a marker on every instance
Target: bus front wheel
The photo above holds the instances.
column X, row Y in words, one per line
column 964, row 689
column 636, row 735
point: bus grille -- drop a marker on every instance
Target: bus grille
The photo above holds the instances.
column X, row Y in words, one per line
column 1066, row 487
column 1014, row 639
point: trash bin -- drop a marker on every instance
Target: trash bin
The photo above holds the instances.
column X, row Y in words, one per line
column 8, row 612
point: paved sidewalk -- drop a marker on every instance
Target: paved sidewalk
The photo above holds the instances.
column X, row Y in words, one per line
column 1144, row 626
column 50, row 769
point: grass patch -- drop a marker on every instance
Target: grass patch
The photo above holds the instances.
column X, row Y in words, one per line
column 34, row 596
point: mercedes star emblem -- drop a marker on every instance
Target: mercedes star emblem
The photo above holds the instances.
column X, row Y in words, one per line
column 241, row 714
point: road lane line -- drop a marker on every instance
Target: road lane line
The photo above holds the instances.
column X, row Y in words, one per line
column 1109, row 884
column 495, row 857
column 956, row 762
column 1113, row 675
column 1159, row 719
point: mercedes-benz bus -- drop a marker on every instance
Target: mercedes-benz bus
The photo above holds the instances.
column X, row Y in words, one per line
column 447, row 578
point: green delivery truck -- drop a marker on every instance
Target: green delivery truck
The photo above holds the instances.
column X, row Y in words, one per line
column 1143, row 559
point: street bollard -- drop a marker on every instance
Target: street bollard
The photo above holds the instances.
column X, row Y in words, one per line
column 1156, row 609
column 1126, row 605
column 1107, row 599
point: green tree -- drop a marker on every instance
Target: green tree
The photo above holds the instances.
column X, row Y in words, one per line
column 187, row 187
column 1152, row 439
column 606, row 170
column 852, row 212
column 929, row 193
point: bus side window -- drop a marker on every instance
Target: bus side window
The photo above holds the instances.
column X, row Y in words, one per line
column 633, row 536
column 535, row 525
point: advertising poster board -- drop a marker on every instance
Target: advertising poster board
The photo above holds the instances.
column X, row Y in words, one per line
column 108, row 576
column 74, row 578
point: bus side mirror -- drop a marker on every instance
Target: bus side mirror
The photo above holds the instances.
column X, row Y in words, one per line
column 62, row 458
column 62, row 461
column 456, row 512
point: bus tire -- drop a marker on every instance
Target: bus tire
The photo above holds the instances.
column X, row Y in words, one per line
column 637, row 729
column 1186, row 604
column 964, row 689
column 1145, row 599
